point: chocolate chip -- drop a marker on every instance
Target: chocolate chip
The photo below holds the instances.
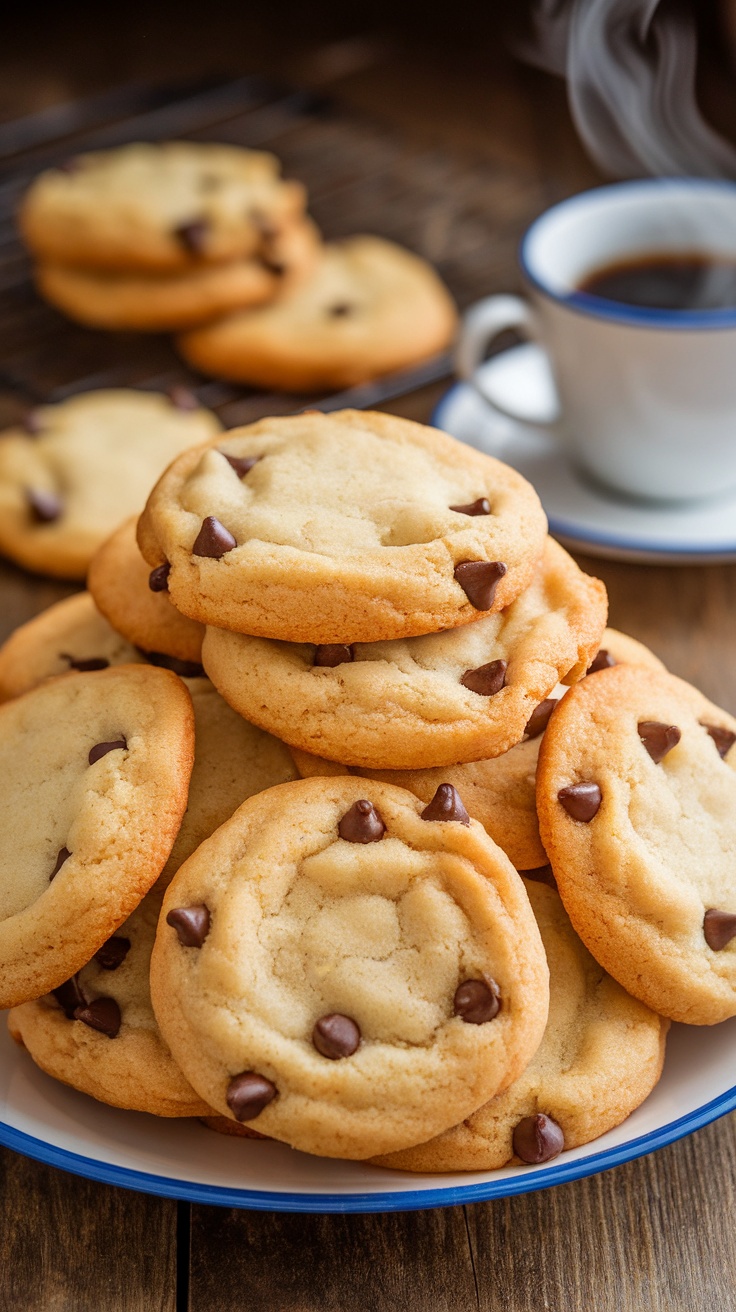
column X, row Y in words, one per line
column 332, row 654
column 340, row 310
column 480, row 507
column 659, row 739
column 182, row 398
column 478, row 580
column 101, row 749
column 185, row 669
column 86, row 666
column 213, row 539
column 70, row 996
column 247, row 1095
column 192, row 924
column 63, row 855
column 33, row 423
column 241, row 464
column 539, row 718
column 477, row 1000
column 719, row 928
column 113, row 953
column 603, row 661
column 446, row 805
column 581, row 801
column 45, row 507
column 102, row 1014
column 538, row 1139
column 273, row 266
column 724, row 739
column 158, row 579
column 72, row 165
column 487, row 679
column 361, row 824
column 336, row 1036
column 193, row 235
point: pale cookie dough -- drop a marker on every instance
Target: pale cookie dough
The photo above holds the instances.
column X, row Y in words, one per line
column 341, row 528
column 86, row 465
column 369, row 308
column 96, row 769
column 601, row 1055
column 72, row 635
column 121, row 584
column 636, row 795
column 463, row 695
column 342, row 973
column 158, row 206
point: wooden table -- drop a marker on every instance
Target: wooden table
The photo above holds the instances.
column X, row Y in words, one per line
column 656, row 1235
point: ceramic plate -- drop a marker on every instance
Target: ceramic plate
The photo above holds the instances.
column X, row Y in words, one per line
column 580, row 514
column 183, row 1159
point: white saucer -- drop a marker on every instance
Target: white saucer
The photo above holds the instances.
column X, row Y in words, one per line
column 580, row 514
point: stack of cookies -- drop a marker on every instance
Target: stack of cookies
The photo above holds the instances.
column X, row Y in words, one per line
column 349, row 961
column 210, row 242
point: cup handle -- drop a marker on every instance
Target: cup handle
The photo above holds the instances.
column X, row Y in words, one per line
column 481, row 323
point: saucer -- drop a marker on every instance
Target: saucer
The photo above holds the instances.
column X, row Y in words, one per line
column 581, row 515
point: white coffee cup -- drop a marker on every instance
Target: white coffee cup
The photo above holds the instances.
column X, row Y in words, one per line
column 647, row 397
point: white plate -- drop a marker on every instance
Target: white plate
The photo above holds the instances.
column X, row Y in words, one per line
column 183, row 1159
column 580, row 514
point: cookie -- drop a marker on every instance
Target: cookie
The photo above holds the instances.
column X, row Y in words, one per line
column 341, row 967
column 82, row 467
column 161, row 207
column 347, row 527
column 96, row 769
column 463, row 695
column 172, row 302
column 369, row 308
column 601, row 1055
column 619, row 649
column 72, row 635
column 636, row 795
column 136, row 602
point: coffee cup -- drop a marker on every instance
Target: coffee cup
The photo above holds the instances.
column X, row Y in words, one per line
column 646, row 394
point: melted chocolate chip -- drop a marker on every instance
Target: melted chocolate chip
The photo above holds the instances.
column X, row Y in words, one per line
column 158, row 579
column 603, row 661
column 273, row 266
column 332, row 654
column 487, row 679
column 446, row 805
column 247, row 1095
column 32, row 423
column 113, row 953
column 70, row 996
column 581, row 801
column 63, row 856
column 182, row 398
column 480, row 507
column 340, row 310
column 361, row 824
column 192, row 924
column 477, row 1000
column 102, row 1014
column 101, row 749
column 85, row 666
column 478, row 580
column 538, row 1139
column 539, row 718
column 659, row 739
column 336, row 1036
column 185, row 669
column 213, row 539
column 719, row 928
column 193, row 235
column 241, row 464
column 724, row 739
column 45, row 507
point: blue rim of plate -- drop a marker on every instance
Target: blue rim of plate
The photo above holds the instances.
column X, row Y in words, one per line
column 403, row 1201
column 579, row 534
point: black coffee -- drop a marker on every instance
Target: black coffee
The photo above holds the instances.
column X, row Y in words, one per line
column 667, row 282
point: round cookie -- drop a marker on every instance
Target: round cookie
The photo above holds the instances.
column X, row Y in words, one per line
column 72, row 635
column 342, row 967
column 636, row 795
column 341, row 528
column 121, row 584
column 82, row 467
column 96, row 769
column 161, row 207
column 172, row 302
column 601, row 1055
column 462, row 695
column 369, row 308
